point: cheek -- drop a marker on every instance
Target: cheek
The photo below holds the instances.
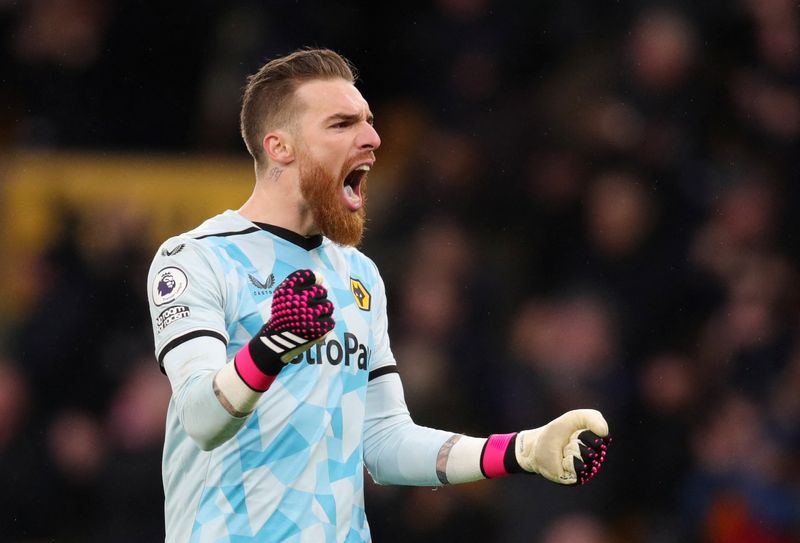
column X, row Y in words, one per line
column 330, row 166
column 330, row 154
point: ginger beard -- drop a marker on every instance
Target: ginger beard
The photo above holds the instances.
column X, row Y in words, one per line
column 322, row 192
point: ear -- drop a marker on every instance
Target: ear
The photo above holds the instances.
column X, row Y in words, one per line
column 279, row 147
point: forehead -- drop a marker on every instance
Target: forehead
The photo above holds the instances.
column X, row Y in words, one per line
column 320, row 99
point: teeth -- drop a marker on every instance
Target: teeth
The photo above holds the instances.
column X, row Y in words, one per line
column 348, row 190
column 363, row 168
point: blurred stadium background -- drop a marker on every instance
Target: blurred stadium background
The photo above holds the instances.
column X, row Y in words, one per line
column 576, row 204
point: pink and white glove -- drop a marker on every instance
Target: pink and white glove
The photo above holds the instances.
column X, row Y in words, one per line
column 301, row 316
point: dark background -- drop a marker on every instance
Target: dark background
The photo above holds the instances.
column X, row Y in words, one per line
column 576, row 204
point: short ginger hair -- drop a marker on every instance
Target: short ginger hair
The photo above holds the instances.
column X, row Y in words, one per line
column 269, row 96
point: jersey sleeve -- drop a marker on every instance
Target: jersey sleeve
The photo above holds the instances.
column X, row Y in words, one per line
column 186, row 292
column 396, row 450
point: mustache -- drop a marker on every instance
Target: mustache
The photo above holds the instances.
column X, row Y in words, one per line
column 369, row 156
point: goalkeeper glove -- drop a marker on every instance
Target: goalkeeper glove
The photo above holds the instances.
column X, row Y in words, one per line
column 301, row 316
column 570, row 449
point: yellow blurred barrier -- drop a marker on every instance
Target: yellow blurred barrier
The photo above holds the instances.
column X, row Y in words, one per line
column 157, row 195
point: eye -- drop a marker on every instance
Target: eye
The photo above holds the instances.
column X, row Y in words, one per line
column 341, row 124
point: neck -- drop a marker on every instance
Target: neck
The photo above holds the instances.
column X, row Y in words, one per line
column 277, row 201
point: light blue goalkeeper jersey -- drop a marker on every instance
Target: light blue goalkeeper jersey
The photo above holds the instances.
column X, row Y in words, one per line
column 294, row 472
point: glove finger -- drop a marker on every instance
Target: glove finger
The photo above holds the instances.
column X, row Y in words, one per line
column 322, row 309
column 587, row 419
column 316, row 329
column 599, row 445
column 580, row 471
column 593, row 453
column 569, row 453
column 299, row 280
column 326, row 324
column 301, row 277
column 571, row 450
column 588, row 455
column 589, row 438
column 316, row 294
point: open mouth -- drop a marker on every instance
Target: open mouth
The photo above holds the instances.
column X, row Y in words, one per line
column 352, row 187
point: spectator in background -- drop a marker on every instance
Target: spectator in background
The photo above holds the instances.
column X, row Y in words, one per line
column 577, row 528
column 73, row 355
column 560, row 347
column 738, row 491
column 135, row 435
column 668, row 398
column 644, row 154
column 28, row 496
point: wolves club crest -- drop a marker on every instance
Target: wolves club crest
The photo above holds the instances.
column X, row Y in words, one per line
column 361, row 294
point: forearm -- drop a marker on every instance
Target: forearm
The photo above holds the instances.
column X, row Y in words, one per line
column 397, row 451
column 204, row 417
column 459, row 460
column 401, row 452
column 193, row 369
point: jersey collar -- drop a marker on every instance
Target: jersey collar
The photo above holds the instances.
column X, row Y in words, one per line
column 307, row 243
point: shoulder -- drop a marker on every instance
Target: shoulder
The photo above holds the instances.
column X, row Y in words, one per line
column 201, row 238
column 194, row 249
column 225, row 225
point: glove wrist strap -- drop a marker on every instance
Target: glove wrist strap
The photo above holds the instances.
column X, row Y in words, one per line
column 256, row 366
column 498, row 458
column 267, row 360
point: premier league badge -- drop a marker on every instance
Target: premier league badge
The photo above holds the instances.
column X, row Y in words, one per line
column 168, row 284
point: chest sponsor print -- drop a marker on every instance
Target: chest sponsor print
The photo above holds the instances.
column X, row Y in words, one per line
column 351, row 352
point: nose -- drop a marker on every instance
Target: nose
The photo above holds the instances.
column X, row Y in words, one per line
column 369, row 138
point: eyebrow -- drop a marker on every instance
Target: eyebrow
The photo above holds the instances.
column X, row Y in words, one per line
column 349, row 117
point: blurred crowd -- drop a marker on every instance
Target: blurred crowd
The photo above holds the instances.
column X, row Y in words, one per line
column 576, row 204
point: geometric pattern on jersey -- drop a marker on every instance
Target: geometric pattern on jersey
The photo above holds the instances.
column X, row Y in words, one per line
column 294, row 472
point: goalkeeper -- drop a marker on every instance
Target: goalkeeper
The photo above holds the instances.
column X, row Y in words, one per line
column 272, row 330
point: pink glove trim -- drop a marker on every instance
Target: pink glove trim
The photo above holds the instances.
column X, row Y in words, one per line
column 249, row 372
column 492, row 459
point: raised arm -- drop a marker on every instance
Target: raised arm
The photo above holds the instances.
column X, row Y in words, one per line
column 212, row 397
